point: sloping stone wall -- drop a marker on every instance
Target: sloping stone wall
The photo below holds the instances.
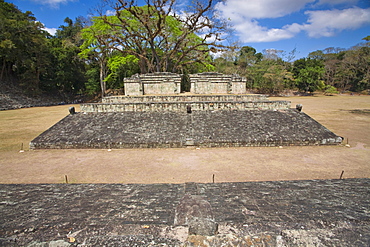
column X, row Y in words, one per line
column 181, row 129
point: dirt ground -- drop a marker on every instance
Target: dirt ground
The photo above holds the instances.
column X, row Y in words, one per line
column 345, row 115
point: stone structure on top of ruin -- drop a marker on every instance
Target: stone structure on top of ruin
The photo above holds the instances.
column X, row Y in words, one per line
column 217, row 112
column 166, row 83
column 217, row 83
column 160, row 91
column 161, row 83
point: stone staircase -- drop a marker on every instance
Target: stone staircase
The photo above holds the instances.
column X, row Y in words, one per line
column 185, row 103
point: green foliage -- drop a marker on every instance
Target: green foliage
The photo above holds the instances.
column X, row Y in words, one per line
column 308, row 78
column 22, row 47
column 308, row 73
column 248, row 56
column 66, row 74
column 330, row 90
column 153, row 38
column 264, row 74
column 269, row 77
column 38, row 62
column 119, row 68
column 159, row 38
column 92, row 84
column 142, row 39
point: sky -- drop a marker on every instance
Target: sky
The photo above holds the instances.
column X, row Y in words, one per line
column 303, row 25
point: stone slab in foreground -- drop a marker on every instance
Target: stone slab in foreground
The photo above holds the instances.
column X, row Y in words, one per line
column 282, row 213
column 175, row 129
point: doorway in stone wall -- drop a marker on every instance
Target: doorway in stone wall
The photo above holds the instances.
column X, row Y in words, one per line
column 185, row 83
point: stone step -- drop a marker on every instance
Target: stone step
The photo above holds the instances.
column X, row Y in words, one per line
column 181, row 98
column 186, row 106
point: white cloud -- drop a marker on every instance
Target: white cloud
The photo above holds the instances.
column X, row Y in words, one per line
column 245, row 15
column 52, row 31
column 244, row 18
column 110, row 12
column 329, row 22
column 53, row 3
column 251, row 31
column 236, row 9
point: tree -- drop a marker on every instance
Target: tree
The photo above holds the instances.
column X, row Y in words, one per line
column 66, row 75
column 308, row 74
column 162, row 37
column 96, row 49
column 269, row 76
column 22, row 47
column 247, row 57
column 345, row 69
column 119, row 68
column 354, row 70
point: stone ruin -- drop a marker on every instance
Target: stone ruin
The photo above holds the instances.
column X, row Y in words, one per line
column 165, row 83
column 228, row 119
column 217, row 83
column 153, row 83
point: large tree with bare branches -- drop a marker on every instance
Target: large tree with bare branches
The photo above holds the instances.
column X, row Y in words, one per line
column 163, row 35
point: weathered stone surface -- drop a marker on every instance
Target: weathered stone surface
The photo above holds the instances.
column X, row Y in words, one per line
column 195, row 212
column 215, row 83
column 282, row 213
column 182, row 98
column 182, row 106
column 169, row 83
column 202, row 226
column 174, row 129
column 231, row 240
column 153, row 83
column 192, row 206
column 163, row 103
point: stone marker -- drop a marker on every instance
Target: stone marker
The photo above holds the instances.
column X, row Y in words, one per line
column 188, row 108
column 299, row 107
column 196, row 213
column 72, row 110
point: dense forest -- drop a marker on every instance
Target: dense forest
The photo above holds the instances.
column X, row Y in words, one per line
column 89, row 57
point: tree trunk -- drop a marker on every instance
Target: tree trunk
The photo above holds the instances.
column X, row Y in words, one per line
column 2, row 70
column 102, row 77
column 143, row 66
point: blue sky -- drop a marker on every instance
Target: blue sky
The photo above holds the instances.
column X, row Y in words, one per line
column 307, row 25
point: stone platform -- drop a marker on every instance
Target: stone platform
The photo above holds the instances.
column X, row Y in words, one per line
column 184, row 98
column 176, row 103
column 282, row 213
column 183, row 106
column 180, row 129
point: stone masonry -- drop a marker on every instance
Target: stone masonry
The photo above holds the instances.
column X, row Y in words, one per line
column 160, row 83
column 182, row 106
column 217, row 83
column 165, row 83
column 281, row 214
column 182, row 129
column 220, row 120
column 183, row 98
column 180, row 103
